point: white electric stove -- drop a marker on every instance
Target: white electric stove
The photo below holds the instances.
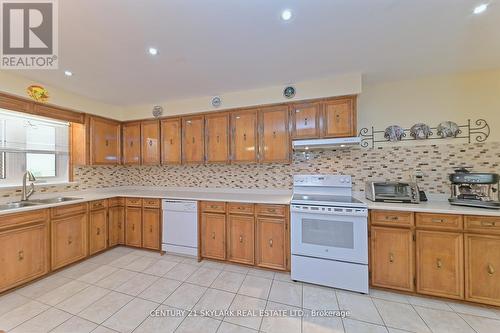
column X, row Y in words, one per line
column 329, row 233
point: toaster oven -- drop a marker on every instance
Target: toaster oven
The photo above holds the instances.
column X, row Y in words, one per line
column 392, row 192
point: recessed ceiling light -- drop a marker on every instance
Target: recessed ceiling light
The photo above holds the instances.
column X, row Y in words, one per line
column 286, row 15
column 153, row 51
column 68, row 73
column 481, row 8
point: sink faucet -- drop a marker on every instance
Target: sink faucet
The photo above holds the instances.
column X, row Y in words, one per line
column 25, row 195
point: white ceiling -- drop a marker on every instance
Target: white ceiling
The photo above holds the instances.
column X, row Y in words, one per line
column 209, row 47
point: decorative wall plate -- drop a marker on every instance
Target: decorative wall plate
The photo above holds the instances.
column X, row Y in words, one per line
column 448, row 129
column 394, row 133
column 420, row 131
column 289, row 92
column 216, row 101
column 38, row 93
column 157, row 111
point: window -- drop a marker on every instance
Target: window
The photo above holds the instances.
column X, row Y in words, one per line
column 32, row 143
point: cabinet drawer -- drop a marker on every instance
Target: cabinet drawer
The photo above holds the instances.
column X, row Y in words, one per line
column 240, row 208
column 394, row 218
column 151, row 203
column 68, row 210
column 270, row 210
column 439, row 221
column 113, row 202
column 134, row 202
column 98, row 204
column 213, row 207
column 23, row 218
column 483, row 224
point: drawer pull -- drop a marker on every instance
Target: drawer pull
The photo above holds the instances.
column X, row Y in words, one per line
column 213, row 235
column 437, row 220
column 488, row 224
column 151, row 229
column 98, row 231
column 271, row 242
column 392, row 218
column 241, row 239
column 491, row 269
column 271, row 210
column 439, row 263
column 213, row 207
column 20, row 255
column 70, row 241
column 391, row 257
column 133, row 227
column 119, row 225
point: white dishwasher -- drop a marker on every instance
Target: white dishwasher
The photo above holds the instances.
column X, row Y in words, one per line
column 180, row 227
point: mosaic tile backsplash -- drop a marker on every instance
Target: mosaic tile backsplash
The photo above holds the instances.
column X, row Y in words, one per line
column 382, row 163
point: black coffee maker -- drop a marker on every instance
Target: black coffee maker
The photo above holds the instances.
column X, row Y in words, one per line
column 475, row 189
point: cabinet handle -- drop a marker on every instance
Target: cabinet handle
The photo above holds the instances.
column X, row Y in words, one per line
column 20, row 255
column 391, row 257
column 244, row 137
column 70, row 241
column 193, row 139
column 437, row 220
column 305, row 121
column 487, row 224
column 271, row 242
column 218, row 139
column 213, row 235
column 171, row 141
column 131, row 143
column 392, row 218
column 274, row 134
column 98, row 231
column 491, row 269
column 133, row 227
column 119, row 225
column 241, row 239
column 272, row 210
column 150, row 142
column 439, row 263
column 151, row 229
column 107, row 142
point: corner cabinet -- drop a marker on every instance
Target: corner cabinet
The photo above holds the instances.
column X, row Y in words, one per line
column 105, row 141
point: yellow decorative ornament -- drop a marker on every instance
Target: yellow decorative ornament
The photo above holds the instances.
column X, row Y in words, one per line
column 38, row 93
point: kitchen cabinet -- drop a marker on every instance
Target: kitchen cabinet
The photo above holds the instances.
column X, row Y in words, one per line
column 105, row 138
column 271, row 240
column 150, row 137
column 131, row 133
column 24, row 249
column 274, row 135
column 133, row 222
column 116, row 222
column 151, row 221
column 392, row 258
column 241, row 240
column 244, row 138
column 217, row 138
column 213, row 235
column 482, row 261
column 339, row 117
column 305, row 120
column 193, row 139
column 171, row 141
column 98, row 223
column 439, row 261
column 69, row 240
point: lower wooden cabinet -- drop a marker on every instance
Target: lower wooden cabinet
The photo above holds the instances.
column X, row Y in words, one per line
column 482, row 261
column 151, row 228
column 23, row 254
column 116, row 225
column 68, row 240
column 213, row 236
column 98, row 240
column 240, row 238
column 271, row 243
column 439, row 260
column 133, row 226
column 392, row 253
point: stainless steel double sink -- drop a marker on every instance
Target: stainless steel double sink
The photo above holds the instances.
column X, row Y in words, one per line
column 36, row 202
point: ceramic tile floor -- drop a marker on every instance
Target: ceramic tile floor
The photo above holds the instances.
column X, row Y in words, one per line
column 117, row 291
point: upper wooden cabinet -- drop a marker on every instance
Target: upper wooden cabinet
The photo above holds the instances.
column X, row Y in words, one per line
column 244, row 145
column 131, row 143
column 171, row 141
column 339, row 117
column 104, row 141
column 305, row 120
column 193, row 139
column 274, row 134
column 217, row 138
column 150, row 131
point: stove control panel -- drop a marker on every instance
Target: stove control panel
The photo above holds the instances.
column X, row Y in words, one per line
column 322, row 180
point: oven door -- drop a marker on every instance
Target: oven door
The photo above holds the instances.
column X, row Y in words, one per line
column 330, row 233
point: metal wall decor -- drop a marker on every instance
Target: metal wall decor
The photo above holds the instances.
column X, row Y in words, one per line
column 472, row 131
column 157, row 111
column 216, row 101
column 289, row 92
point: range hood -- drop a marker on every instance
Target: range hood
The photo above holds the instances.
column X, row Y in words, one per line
column 311, row 144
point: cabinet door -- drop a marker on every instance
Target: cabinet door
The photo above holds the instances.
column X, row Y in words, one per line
column 482, row 276
column 339, row 118
column 98, row 231
column 240, row 240
column 305, row 120
column 244, row 136
column 131, row 143
column 392, row 252
column 116, row 230
column 440, row 268
column 150, row 131
column 217, row 138
column 213, row 236
column 193, row 139
column 274, row 135
column 23, row 254
column 133, row 226
column 104, row 141
column 171, row 141
column 68, row 240
column 271, row 242
column 151, row 228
